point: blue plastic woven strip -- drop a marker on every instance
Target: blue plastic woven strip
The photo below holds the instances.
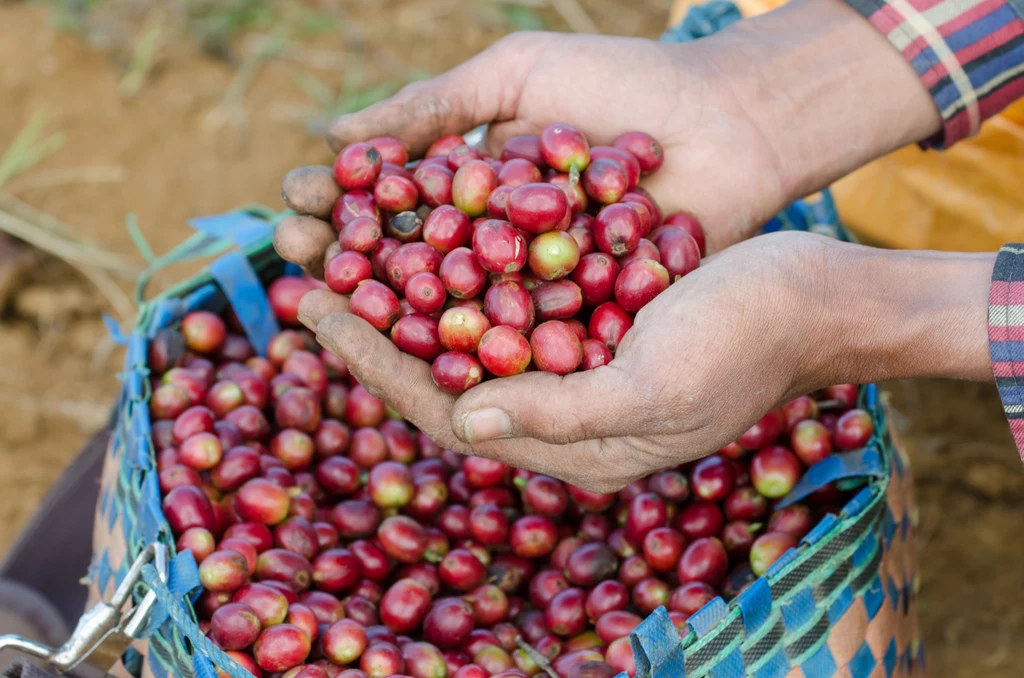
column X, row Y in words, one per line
column 188, row 627
column 864, row 463
column 707, row 617
column 241, row 228
column 656, row 644
column 755, row 605
column 703, row 20
column 182, row 580
column 245, row 293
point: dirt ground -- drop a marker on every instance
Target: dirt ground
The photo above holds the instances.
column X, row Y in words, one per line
column 183, row 147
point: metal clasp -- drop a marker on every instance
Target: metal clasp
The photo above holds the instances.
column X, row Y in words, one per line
column 105, row 631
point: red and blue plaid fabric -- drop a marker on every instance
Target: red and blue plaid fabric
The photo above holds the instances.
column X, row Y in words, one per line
column 968, row 53
column 1006, row 335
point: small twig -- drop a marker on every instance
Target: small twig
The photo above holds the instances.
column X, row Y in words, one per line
column 574, row 15
column 28, row 149
column 62, row 247
column 143, row 55
column 90, row 174
column 24, row 211
column 540, row 659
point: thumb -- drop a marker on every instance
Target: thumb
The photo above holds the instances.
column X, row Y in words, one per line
column 600, row 403
column 482, row 90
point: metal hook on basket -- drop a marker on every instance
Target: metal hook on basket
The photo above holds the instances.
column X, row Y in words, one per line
column 104, row 632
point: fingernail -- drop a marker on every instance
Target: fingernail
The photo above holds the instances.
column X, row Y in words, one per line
column 488, row 424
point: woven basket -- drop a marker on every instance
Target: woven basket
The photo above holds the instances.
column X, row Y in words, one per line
column 839, row 605
column 842, row 604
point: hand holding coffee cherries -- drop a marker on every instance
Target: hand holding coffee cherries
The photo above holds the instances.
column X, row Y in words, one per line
column 678, row 388
column 527, row 81
column 750, row 328
column 735, row 149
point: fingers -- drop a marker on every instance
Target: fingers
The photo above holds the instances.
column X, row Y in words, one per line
column 397, row 378
column 481, row 90
column 597, row 465
column 311, row 190
column 302, row 240
column 590, row 405
column 316, row 305
column 405, row 384
column 498, row 134
column 333, row 250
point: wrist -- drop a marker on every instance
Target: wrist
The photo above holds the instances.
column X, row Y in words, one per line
column 829, row 92
column 905, row 314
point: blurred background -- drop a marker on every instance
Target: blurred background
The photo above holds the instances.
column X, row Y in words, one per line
column 121, row 117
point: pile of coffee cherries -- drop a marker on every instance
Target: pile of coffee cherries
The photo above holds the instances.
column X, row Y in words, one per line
column 485, row 266
column 335, row 540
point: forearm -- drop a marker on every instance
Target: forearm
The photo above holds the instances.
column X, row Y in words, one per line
column 902, row 314
column 830, row 91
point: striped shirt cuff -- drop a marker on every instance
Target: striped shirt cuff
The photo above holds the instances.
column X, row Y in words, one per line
column 1006, row 335
column 968, row 53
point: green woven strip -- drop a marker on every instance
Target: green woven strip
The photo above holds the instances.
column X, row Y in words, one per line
column 197, row 246
column 261, row 257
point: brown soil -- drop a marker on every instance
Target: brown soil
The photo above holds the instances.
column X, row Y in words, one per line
column 57, row 375
column 970, row 492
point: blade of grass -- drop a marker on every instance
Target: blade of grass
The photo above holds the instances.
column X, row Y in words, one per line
column 29, row 148
column 132, row 224
column 62, row 248
column 11, row 205
column 46, row 232
column 48, row 178
column 143, row 57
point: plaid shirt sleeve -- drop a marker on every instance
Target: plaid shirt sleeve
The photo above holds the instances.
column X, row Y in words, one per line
column 968, row 53
column 1006, row 335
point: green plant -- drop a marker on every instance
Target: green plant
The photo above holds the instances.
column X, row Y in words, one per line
column 215, row 22
column 30, row 147
column 354, row 95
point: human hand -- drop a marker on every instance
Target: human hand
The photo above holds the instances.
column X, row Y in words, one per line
column 604, row 86
column 680, row 386
column 756, row 325
column 749, row 119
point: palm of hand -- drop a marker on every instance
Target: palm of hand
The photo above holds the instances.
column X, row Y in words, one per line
column 716, row 157
column 653, row 406
column 718, row 165
column 677, row 389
